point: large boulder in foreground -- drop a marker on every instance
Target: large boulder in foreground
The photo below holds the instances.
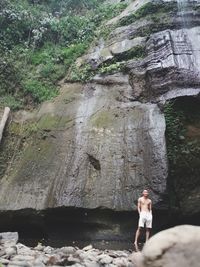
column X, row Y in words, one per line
column 177, row 246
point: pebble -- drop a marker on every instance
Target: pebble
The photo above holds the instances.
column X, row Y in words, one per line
column 105, row 259
column 87, row 248
column 4, row 261
column 68, row 250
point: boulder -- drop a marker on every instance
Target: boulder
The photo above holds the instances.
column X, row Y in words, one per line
column 9, row 238
column 177, row 246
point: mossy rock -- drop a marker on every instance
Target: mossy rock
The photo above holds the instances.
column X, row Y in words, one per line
column 150, row 9
column 102, row 119
column 48, row 122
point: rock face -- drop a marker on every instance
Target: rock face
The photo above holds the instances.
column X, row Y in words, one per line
column 178, row 246
column 99, row 150
column 172, row 68
column 98, row 145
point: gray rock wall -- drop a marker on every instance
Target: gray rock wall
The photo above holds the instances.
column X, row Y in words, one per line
column 100, row 144
column 171, row 68
column 101, row 152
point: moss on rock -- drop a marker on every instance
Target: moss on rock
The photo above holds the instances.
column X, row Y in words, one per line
column 102, row 119
column 150, row 9
column 183, row 145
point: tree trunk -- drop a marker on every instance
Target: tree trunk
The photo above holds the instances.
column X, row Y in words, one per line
column 3, row 121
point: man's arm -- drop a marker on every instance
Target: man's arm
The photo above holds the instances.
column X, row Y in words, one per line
column 139, row 206
column 150, row 206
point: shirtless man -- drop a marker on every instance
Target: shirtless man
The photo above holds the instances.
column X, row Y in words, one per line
column 145, row 215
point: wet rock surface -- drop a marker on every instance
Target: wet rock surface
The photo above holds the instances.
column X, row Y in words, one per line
column 93, row 147
column 98, row 145
column 16, row 254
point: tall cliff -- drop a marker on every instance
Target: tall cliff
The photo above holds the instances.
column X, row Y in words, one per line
column 100, row 143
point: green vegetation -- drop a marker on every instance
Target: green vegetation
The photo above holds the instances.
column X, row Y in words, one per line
column 135, row 52
column 151, row 9
column 183, row 144
column 175, row 131
column 39, row 42
column 10, row 101
column 20, row 135
column 85, row 73
column 116, row 64
column 112, row 68
column 160, row 23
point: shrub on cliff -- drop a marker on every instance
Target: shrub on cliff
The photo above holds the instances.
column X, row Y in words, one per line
column 40, row 40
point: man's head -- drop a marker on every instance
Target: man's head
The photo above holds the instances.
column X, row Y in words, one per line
column 145, row 193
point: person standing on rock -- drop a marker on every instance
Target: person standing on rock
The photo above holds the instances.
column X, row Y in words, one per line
column 145, row 215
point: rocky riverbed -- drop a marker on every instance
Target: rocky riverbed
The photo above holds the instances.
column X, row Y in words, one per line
column 15, row 254
column 174, row 247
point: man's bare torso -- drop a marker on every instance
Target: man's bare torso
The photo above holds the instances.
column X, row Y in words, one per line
column 145, row 204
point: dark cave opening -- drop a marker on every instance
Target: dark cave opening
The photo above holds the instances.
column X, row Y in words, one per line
column 183, row 149
column 100, row 227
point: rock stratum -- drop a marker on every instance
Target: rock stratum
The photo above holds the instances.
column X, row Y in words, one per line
column 99, row 144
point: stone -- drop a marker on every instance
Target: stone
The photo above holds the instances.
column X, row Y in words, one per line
column 90, row 255
column 73, row 259
column 4, row 261
column 78, row 265
column 38, row 263
column 48, row 249
column 42, row 258
column 19, row 264
column 89, row 247
column 39, row 247
column 23, row 258
column 121, row 262
column 126, row 45
column 2, row 252
column 68, row 250
column 177, row 246
column 10, row 251
column 136, row 258
column 9, row 238
column 119, row 253
column 105, row 259
column 91, row 264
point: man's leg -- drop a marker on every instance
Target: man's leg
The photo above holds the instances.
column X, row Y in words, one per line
column 147, row 234
column 148, row 226
column 137, row 234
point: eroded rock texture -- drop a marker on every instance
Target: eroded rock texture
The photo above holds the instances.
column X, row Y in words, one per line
column 100, row 150
column 100, row 144
column 172, row 68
